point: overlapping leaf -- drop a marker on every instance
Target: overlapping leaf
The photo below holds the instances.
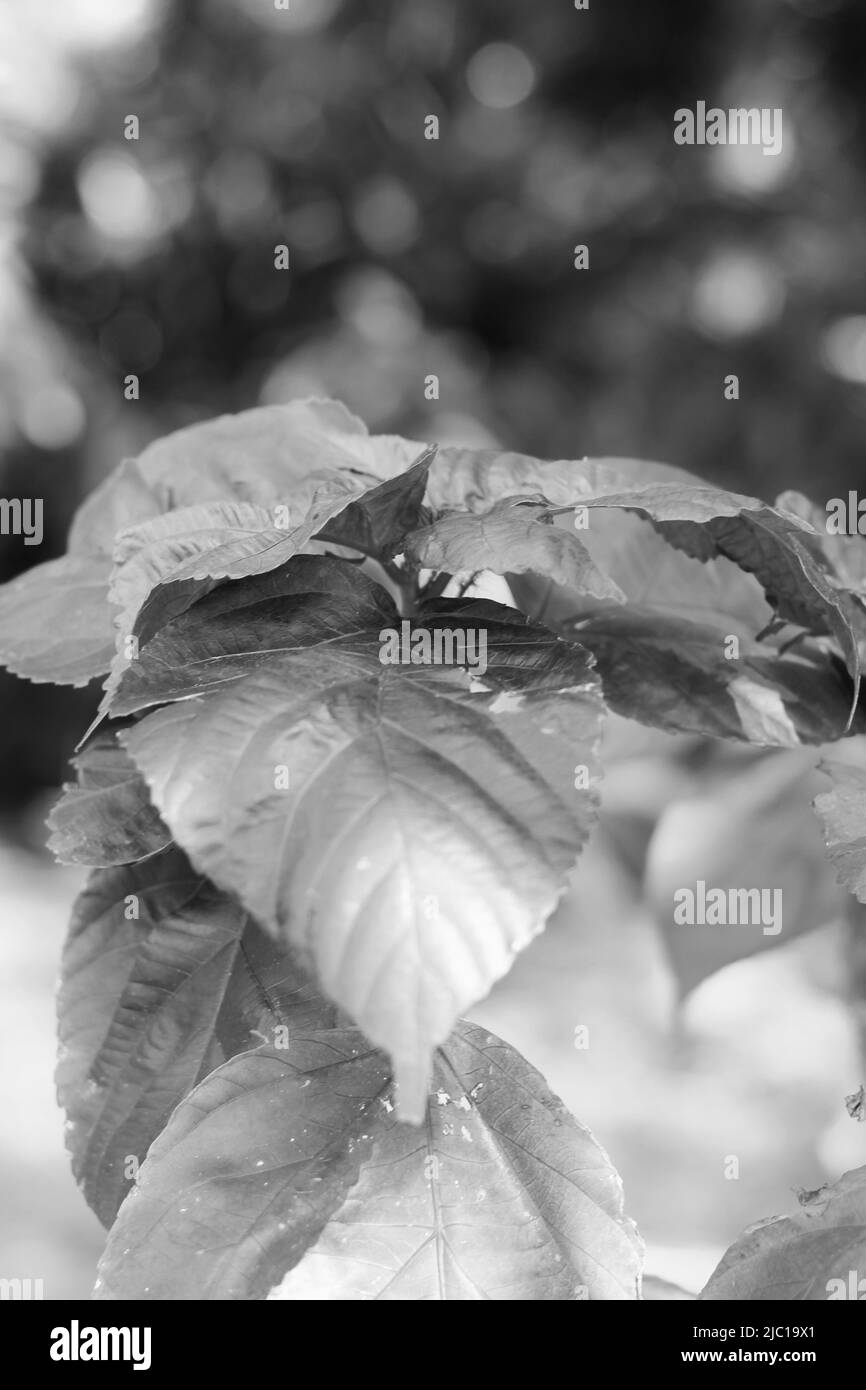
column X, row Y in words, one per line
column 56, row 623
column 329, row 789
column 228, row 633
column 677, row 675
column 809, row 1256
column 704, row 521
column 502, row 1196
column 161, row 982
column 164, row 566
column 262, row 455
column 666, row 657
column 514, row 536
column 106, row 817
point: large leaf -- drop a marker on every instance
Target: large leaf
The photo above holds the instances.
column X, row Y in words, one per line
column 815, row 1254
column 55, row 621
column 514, row 535
column 502, row 1197
column 106, row 817
column 394, row 770
column 151, row 1003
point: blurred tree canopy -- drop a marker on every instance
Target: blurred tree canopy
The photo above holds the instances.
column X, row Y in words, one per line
column 410, row 256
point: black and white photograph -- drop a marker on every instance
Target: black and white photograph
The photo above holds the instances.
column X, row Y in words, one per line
column 433, row 635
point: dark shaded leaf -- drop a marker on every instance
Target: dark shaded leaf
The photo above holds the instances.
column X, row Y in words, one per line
column 675, row 675
column 666, row 658
column 151, row 1003
column 383, row 514
column 224, row 636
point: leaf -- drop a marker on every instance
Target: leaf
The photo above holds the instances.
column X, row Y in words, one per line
column 842, row 812
column 343, row 510
column 845, row 554
column 652, row 575
column 514, row 1200
column 393, row 771
column 55, row 622
column 382, row 515
column 122, row 500
column 473, row 479
column 770, row 546
column 175, row 561
column 736, row 833
column 805, row 1257
column 225, row 635
column 666, row 657
column 106, row 817
column 148, row 1005
column 503, row 1197
column 164, row 548
column 696, row 517
column 512, row 536
column 246, row 1172
column 262, row 455
column 676, row 675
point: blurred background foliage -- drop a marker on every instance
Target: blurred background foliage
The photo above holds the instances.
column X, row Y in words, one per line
column 409, row 257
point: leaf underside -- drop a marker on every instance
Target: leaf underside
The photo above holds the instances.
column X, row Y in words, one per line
column 501, row 1195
